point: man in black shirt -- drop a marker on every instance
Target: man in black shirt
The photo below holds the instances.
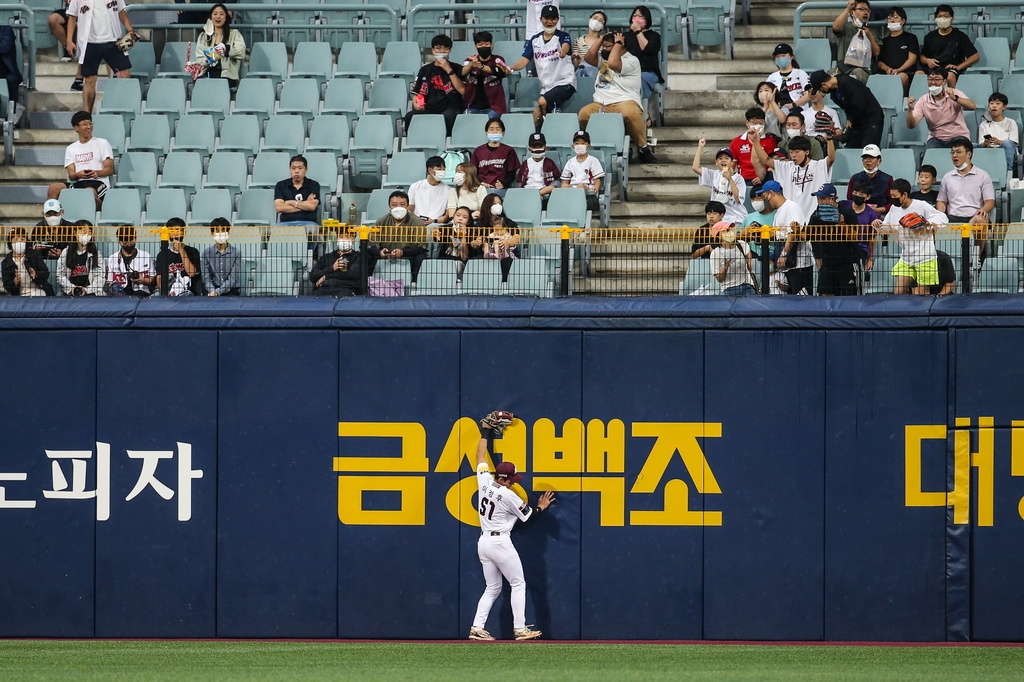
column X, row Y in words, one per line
column 53, row 232
column 947, row 47
column 339, row 273
column 438, row 87
column 832, row 231
column 864, row 116
column 899, row 50
column 177, row 265
column 297, row 198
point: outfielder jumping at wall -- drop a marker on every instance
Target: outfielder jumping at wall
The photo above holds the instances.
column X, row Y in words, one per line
column 499, row 508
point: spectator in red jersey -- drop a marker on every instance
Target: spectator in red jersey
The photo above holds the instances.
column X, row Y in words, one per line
column 496, row 163
column 741, row 146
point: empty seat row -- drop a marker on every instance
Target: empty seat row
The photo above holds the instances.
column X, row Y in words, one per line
column 124, row 206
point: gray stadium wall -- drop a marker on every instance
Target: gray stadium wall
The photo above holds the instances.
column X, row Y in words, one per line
column 785, row 469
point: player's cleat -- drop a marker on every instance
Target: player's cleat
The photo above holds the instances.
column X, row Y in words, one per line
column 527, row 633
column 497, row 421
column 480, row 634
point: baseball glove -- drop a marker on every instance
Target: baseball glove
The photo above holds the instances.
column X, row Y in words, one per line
column 497, row 421
column 125, row 42
column 913, row 221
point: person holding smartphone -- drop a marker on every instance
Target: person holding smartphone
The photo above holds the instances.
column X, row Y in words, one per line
column 130, row 271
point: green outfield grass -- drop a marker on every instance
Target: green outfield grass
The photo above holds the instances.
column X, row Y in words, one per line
column 198, row 661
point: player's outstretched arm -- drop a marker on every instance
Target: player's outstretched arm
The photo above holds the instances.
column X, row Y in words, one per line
column 545, row 500
column 481, row 449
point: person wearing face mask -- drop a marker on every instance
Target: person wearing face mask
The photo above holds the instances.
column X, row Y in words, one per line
column 966, row 193
column 732, row 262
column 496, row 162
column 794, row 256
column 24, row 272
column 453, row 242
column 583, row 170
column 726, row 184
column 51, row 234
column 821, row 120
column 644, row 43
column 742, row 148
column 403, row 233
column 582, row 45
column 947, row 47
column 535, row 15
column 222, row 262
column 873, row 177
column 130, row 270
column 180, row 263
column 795, row 128
column 428, row 198
column 860, row 213
column 549, row 49
column 438, row 87
column 617, row 91
column 790, row 79
column 766, row 96
column 865, row 119
column 900, row 50
column 942, row 109
column 917, row 269
column 857, row 44
column 339, row 273
column 833, row 234
column 483, row 74
column 81, row 268
column 539, row 172
column 497, row 236
column 801, row 176
column 468, row 190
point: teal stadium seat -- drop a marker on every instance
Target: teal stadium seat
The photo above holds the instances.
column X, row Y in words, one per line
column 567, row 206
column 240, row 133
column 270, row 168
column 268, row 60
column 300, row 96
column 1010, row 26
column 209, row 204
column 468, row 133
column 166, row 96
column 388, row 96
column 888, row 90
column 583, row 96
column 122, row 96
column 699, row 278
column 344, row 96
column 121, row 206
column 330, row 133
column 196, row 133
column 211, row 96
column 913, row 139
column 437, row 277
column 312, row 60
column 523, row 206
column 183, row 170
column 323, row 167
column 173, row 60
column 357, row 60
column 401, row 60
column 482, row 277
column 376, row 206
column 256, row 207
column 255, row 96
column 111, row 127
column 404, row 169
column 275, row 276
column 998, row 275
column 900, row 163
column 558, row 130
column 427, row 134
column 227, row 170
column 144, row 62
column 995, row 58
column 78, row 204
column 341, row 26
column 151, row 133
column 813, row 54
column 373, row 141
column 285, row 133
column 137, row 170
column 846, row 164
column 977, row 87
column 708, row 23
column 529, row 277
column 518, row 128
column 164, row 204
column 608, row 142
column 528, row 91
column 398, row 269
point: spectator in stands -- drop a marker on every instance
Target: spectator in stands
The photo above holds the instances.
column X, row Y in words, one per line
column 58, row 21
column 802, row 176
column 617, row 90
column 180, row 263
column 496, row 162
column 857, row 44
column 878, row 180
column 819, row 119
column 790, row 79
column 539, row 172
column 726, row 184
column 468, row 190
column 339, row 273
column 582, row 45
column 535, row 15
column 10, row 70
column 644, row 43
column 428, row 198
column 438, row 87
column 795, row 128
column 297, row 197
column 865, row 119
column 899, row 50
column 402, row 243
column 966, row 193
column 130, row 270
column 703, row 241
column 857, row 212
column 917, row 269
column 766, row 96
column 98, row 31
column 483, row 73
column 81, row 270
column 222, row 262
column 996, row 130
column 50, row 230
column 220, row 49
column 741, row 147
column 24, row 273
column 89, row 162
column 499, row 236
column 833, row 234
column 583, row 170
column 549, row 50
column 947, row 48
column 731, row 262
column 453, row 242
column 926, row 178
column 942, row 109
column 795, row 257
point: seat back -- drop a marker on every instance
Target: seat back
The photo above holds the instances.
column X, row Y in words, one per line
column 357, row 60
column 323, row 167
column 312, row 60
column 558, row 129
column 111, row 128
column 151, row 132
column 143, row 62
column 846, row 164
column 78, row 204
column 228, row 170
column 888, row 90
column 469, row 132
column 567, row 206
column 900, row 163
column 404, row 169
column 388, row 95
column 994, row 53
column 583, row 96
column 240, row 133
column 121, row 206
column 530, row 277
column 137, row 169
column 165, row 203
column 330, row 133
column 211, row 96
column 518, row 128
column 993, row 162
column 698, row 277
column 182, row 169
column 344, row 96
column 269, row 168
column 209, row 204
column 527, row 93
column 523, row 206
column 401, row 58
column 196, row 132
column 256, row 207
column 438, row 277
column 977, row 86
column 375, row 132
column 268, row 60
column 482, row 276
column 940, row 159
column 813, row 54
column 300, row 95
column 166, row 96
column 427, row 134
column 255, row 96
column 122, row 96
column 705, row 21
column 285, row 132
column 377, row 206
column 999, row 275
column 173, row 60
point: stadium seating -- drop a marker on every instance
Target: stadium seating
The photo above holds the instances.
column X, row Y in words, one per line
column 227, row 170
column 995, row 58
column 528, row 277
column 240, row 133
column 388, row 96
column 998, row 275
column 256, row 207
column 183, row 170
column 404, row 168
column 285, row 133
column 268, row 60
column 211, row 96
column 164, row 204
column 269, row 168
column 567, row 206
column 468, row 133
column 121, row 206
column 122, row 96
column 427, row 133
column 913, row 139
column 709, row 23
column 344, row 96
column 78, row 204
column 437, row 277
column 397, row 269
column 401, row 60
column 255, row 96
column 137, row 170
column 518, row 128
column 209, row 204
column 173, row 60
column 196, row 132
column 482, row 276
column 313, row 60
column 300, row 96
column 523, row 206
column 699, row 279
column 329, row 133
column 888, row 90
column 151, row 133
column 112, row 128
column 166, row 96
column 373, row 141
column 357, row 60
column 143, row 62
column 813, row 54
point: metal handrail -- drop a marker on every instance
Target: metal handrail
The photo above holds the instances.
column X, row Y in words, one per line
column 30, row 42
column 798, row 22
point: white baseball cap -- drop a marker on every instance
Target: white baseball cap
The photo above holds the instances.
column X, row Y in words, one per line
column 52, row 206
column 872, row 150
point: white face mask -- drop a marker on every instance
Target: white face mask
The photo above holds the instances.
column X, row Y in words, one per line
column 344, row 245
column 758, row 127
column 459, row 179
column 935, row 90
column 220, row 237
column 399, row 212
column 757, row 205
column 729, row 236
column 580, row 149
column 550, row 31
column 944, row 22
column 964, row 166
column 595, row 25
column 496, row 209
column 439, row 175
column 858, row 23
column 869, row 171
column 52, row 220
column 538, row 156
column 84, row 239
column 792, row 132
column 440, row 56
column 894, row 26
column 18, row 247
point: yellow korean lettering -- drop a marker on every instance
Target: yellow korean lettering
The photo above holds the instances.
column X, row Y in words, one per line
column 611, row 490
column 1017, row 456
column 464, row 439
column 913, row 435
column 412, row 511
column 984, row 461
column 960, row 497
column 546, row 446
column 677, row 510
column 675, row 437
column 414, row 447
column 606, row 450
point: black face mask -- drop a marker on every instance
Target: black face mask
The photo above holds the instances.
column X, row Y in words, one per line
column 128, row 249
column 858, row 201
column 484, row 52
column 605, row 54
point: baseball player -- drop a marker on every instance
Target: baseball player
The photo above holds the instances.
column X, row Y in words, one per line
column 499, row 509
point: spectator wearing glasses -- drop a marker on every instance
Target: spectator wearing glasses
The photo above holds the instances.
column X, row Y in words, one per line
column 857, row 44
column 942, row 109
column 966, row 193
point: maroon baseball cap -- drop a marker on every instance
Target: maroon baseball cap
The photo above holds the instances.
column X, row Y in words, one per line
column 508, row 470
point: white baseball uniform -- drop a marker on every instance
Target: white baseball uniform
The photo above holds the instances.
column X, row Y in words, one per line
column 499, row 508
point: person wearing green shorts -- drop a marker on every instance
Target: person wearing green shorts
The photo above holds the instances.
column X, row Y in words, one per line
column 918, row 267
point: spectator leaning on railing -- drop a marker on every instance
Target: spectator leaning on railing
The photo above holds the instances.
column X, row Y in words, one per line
column 966, row 193
column 833, row 234
column 222, row 262
column 795, row 258
column 942, row 109
column 913, row 222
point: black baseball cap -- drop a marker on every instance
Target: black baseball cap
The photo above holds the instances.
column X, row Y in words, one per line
column 537, row 140
column 724, row 151
column 818, row 78
column 782, row 48
column 581, row 135
column 549, row 12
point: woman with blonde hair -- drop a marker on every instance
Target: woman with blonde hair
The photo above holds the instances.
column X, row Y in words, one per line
column 468, row 191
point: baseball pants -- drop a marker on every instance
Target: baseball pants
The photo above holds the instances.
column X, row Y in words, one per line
column 500, row 558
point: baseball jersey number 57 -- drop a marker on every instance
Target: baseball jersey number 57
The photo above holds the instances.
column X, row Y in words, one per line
column 483, row 508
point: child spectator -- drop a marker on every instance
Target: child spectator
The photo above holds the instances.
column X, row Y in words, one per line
column 732, row 262
column 483, row 73
column 438, row 87
column 498, row 236
column 996, row 130
column 452, row 241
column 496, row 163
column 741, row 148
column 584, row 171
column 926, row 178
column 539, row 172
column 703, row 243
column 727, row 186
column 81, row 270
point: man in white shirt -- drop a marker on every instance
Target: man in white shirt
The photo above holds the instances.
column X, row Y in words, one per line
column 99, row 27
column 90, row 161
column 726, row 183
column 617, row 90
column 549, row 49
column 913, row 222
column 428, row 198
column 796, row 258
column 802, row 176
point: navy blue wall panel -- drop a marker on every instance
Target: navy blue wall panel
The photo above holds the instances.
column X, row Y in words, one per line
column 157, row 389
column 411, row 590
column 277, row 554
column 46, row 553
column 642, row 581
column 885, row 563
column 536, row 375
column 764, row 567
column 988, row 382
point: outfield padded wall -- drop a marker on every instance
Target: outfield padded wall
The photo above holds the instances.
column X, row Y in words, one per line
column 757, row 450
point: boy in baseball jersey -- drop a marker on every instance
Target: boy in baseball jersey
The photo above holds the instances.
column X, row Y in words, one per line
column 499, row 508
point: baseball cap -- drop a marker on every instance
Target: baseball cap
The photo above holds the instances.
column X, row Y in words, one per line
column 872, row 150
column 770, row 186
column 726, row 151
column 549, row 12
column 782, row 48
column 52, row 206
column 581, row 134
column 508, row 469
column 537, row 140
column 818, row 78
column 827, row 190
